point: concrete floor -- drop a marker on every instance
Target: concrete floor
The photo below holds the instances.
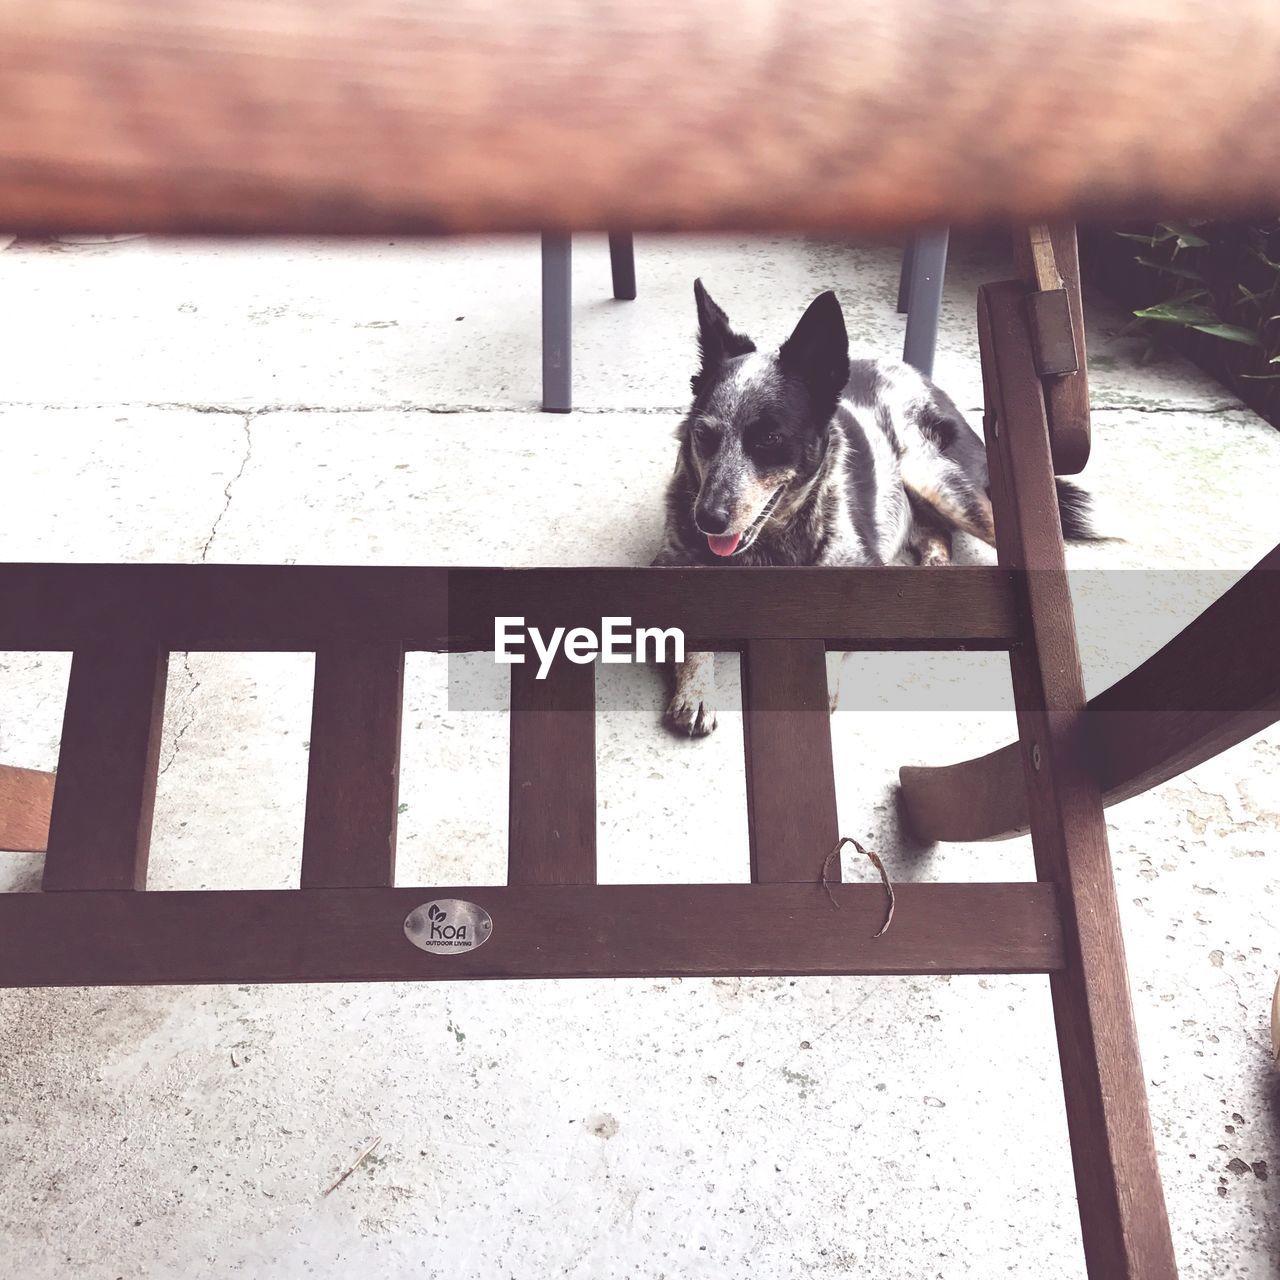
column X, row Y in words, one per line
column 317, row 403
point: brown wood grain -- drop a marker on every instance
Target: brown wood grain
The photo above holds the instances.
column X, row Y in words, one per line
column 26, row 796
column 1066, row 397
column 1124, row 1225
column 100, row 824
column 1037, row 244
column 487, row 115
column 1185, row 704
column 979, row 799
column 552, row 825
column 257, row 608
column 791, row 787
column 356, row 935
column 353, row 771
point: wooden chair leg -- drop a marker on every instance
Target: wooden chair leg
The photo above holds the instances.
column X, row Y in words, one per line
column 622, row 263
column 1066, row 399
column 1122, row 1213
column 557, row 323
column 1180, row 707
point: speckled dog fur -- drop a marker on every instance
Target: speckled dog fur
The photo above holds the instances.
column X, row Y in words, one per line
column 801, row 456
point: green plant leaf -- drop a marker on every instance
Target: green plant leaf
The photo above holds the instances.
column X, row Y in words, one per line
column 1133, row 235
column 1184, row 311
column 1184, row 273
column 1231, row 332
column 1187, row 239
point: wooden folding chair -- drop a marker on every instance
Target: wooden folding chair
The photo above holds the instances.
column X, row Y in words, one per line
column 95, row 923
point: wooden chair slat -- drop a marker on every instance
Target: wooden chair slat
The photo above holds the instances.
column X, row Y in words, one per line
column 104, row 797
column 552, row 827
column 791, row 787
column 258, row 608
column 1122, row 1213
column 539, row 931
column 353, row 774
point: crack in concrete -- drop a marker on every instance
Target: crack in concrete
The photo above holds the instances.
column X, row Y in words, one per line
column 193, row 683
column 1175, row 408
column 443, row 409
column 446, row 409
column 190, row 719
column 226, row 492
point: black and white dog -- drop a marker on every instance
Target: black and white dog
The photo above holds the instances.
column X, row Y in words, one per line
column 801, row 456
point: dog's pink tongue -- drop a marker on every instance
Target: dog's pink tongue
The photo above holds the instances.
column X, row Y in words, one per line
column 723, row 544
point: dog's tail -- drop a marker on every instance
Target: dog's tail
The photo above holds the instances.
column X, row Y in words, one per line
column 1075, row 507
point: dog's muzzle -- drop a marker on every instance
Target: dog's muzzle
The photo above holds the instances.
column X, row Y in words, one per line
column 732, row 543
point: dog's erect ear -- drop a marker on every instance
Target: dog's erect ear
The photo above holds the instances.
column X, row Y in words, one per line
column 818, row 349
column 716, row 340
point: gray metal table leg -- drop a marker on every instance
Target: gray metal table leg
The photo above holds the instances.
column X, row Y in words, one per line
column 557, row 330
column 928, row 266
column 904, row 275
column 622, row 262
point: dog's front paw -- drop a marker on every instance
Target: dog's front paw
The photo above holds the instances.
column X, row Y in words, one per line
column 690, row 714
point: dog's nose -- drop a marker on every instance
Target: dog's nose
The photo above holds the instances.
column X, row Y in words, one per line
column 712, row 519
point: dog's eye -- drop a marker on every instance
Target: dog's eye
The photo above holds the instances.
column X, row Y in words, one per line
column 770, row 441
column 706, row 437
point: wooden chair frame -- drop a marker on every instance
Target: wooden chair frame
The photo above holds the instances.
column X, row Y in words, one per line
column 94, row 922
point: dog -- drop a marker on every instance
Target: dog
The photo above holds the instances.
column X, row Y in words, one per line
column 802, row 456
